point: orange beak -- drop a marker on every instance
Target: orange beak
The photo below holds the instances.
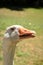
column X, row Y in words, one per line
column 26, row 33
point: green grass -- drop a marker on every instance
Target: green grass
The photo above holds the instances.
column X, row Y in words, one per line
column 29, row 51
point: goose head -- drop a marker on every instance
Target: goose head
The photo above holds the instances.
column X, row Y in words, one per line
column 17, row 32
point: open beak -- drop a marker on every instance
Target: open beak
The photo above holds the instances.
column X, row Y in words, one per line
column 25, row 33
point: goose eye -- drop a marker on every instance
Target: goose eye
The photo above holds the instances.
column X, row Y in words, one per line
column 12, row 29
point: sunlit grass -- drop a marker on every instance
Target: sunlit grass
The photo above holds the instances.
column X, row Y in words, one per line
column 29, row 51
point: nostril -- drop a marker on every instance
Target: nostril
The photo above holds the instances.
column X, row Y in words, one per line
column 25, row 30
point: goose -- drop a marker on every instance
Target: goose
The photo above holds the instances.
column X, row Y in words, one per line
column 13, row 34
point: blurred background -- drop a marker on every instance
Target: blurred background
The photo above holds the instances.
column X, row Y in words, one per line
column 31, row 3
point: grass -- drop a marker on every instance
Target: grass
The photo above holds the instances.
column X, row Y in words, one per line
column 29, row 51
